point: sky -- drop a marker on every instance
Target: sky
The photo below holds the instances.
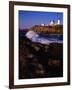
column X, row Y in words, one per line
column 27, row 19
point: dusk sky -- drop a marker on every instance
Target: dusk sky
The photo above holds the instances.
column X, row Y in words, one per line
column 29, row 18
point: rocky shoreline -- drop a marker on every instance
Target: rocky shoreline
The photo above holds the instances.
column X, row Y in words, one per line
column 38, row 60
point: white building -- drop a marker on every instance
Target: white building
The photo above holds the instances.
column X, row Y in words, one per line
column 42, row 24
column 52, row 22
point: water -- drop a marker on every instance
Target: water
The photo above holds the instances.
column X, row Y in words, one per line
column 52, row 36
column 45, row 38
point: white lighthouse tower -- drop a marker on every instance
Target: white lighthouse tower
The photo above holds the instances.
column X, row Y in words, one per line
column 58, row 22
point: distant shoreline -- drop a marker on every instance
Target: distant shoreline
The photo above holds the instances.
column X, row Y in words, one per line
column 56, row 29
column 21, row 30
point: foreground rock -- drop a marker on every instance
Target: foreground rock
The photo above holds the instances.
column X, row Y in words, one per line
column 38, row 60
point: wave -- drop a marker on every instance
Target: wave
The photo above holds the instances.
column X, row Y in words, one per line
column 34, row 37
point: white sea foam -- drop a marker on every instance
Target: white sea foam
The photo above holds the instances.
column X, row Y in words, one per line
column 34, row 37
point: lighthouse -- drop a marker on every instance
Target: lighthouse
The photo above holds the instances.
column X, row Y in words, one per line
column 58, row 22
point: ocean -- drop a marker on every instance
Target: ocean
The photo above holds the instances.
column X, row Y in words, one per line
column 45, row 38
